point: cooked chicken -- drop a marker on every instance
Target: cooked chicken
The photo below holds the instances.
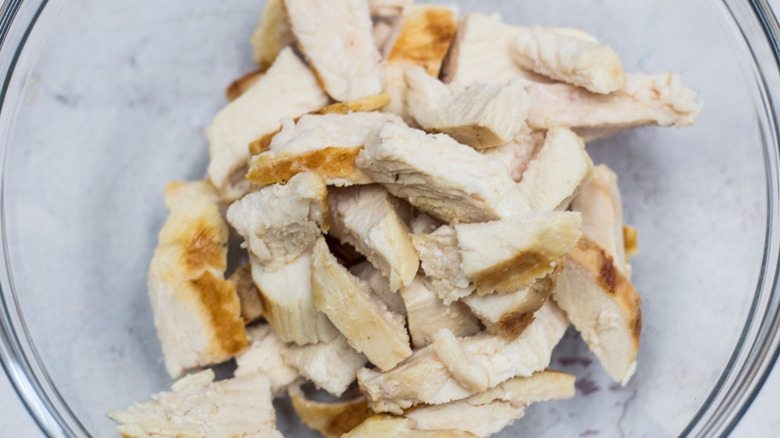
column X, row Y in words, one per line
column 509, row 314
column 630, row 240
column 602, row 215
column 273, row 34
column 288, row 89
column 380, row 285
column 440, row 260
column 446, row 179
column 558, row 171
column 248, row 295
column 381, row 426
column 488, row 413
column 200, row 407
column 196, row 311
column 330, row 365
column 366, row 104
column 566, row 56
column 484, row 51
column 387, row 8
column 518, row 153
column 335, row 36
column 384, row 34
column 331, row 419
column 481, row 116
column 245, row 82
column 368, row 326
column 467, row 372
column 426, row 314
column 657, row 99
column 423, row 37
column 507, row 255
column 603, row 306
column 327, row 144
column 423, row 378
column 365, row 218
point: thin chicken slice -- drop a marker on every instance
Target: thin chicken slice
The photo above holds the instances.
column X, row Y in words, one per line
column 196, row 311
column 198, row 406
column 565, row 55
column 509, row 314
column 288, row 89
column 266, row 355
column 518, row 153
column 481, row 116
column 335, row 36
column 425, row 379
column 440, row 260
column 273, row 34
column 243, row 83
column 507, row 255
column 426, row 314
column 488, row 413
column 382, row 426
column 327, row 144
column 368, row 326
column 380, row 285
column 657, row 99
column 558, row 172
column 248, row 295
column 365, row 217
column 332, row 420
column 444, row 178
column 603, row 306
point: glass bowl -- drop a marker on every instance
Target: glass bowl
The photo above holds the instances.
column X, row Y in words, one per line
column 104, row 101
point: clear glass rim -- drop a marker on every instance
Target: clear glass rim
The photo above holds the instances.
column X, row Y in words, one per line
column 752, row 359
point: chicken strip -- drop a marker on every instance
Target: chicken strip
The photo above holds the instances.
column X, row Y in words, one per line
column 507, row 255
column 335, row 36
column 558, row 172
column 657, row 99
column 426, row 314
column 365, row 218
column 565, row 55
column 327, row 144
column 198, row 406
column 368, row 326
column 481, row 116
column 440, row 260
column 273, row 34
column 265, row 355
column 380, row 426
column 287, row 89
column 248, row 295
column 196, row 311
column 488, row 413
column 518, row 153
column 380, row 285
column 509, row 314
column 446, row 179
column 330, row 419
column 423, row 378
column 603, row 306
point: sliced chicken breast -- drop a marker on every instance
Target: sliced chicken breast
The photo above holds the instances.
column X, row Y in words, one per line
column 266, row 355
column 399, row 427
column 248, row 295
column 380, row 286
column 332, row 420
column 387, row 8
column 518, row 153
column 273, row 34
column 440, row 260
column 243, row 83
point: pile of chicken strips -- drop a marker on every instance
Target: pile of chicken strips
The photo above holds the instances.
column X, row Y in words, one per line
column 420, row 223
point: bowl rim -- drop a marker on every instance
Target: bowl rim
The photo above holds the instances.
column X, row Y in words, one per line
column 731, row 396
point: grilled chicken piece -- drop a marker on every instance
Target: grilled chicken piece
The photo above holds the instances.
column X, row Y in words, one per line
column 646, row 99
column 198, row 406
column 330, row 419
column 603, row 306
column 380, row 285
column 368, row 326
column 446, row 179
column 273, row 34
column 382, row 426
column 509, row 314
column 422, row 223
column 196, row 311
column 248, row 295
column 602, row 215
column 507, row 255
column 365, row 218
column 487, row 413
column 557, row 173
column 327, row 144
column 266, row 355
column 630, row 241
column 335, row 37
column 422, row 39
column 566, row 55
column 483, row 50
column 423, row 378
column 387, row 8
column 426, row 314
column 288, row 89
column 469, row 373
column 481, row 116
column 518, row 153
column 245, row 82
column 440, row 260
column 366, row 104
